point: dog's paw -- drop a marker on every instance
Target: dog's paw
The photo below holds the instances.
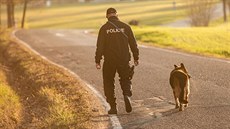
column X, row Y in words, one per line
column 177, row 106
column 186, row 105
column 181, row 107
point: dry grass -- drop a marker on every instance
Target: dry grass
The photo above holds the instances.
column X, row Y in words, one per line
column 49, row 97
column 10, row 106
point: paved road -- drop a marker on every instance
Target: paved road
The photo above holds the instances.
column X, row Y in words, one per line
column 153, row 99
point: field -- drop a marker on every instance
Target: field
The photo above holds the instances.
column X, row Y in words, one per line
column 92, row 15
column 213, row 41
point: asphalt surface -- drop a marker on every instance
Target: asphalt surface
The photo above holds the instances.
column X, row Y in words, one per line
column 153, row 103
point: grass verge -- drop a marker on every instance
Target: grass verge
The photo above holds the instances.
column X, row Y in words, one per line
column 49, row 97
column 10, row 106
column 204, row 41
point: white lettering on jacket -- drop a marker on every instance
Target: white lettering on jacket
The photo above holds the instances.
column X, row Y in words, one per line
column 115, row 30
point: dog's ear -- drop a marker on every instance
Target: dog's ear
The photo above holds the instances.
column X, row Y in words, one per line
column 175, row 66
column 183, row 67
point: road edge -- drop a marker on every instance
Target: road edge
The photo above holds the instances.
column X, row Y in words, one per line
column 113, row 118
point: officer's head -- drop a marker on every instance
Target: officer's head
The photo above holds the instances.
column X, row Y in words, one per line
column 111, row 12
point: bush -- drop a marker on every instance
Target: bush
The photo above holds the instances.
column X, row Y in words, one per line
column 134, row 22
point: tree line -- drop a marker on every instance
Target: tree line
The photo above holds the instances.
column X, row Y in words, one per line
column 10, row 11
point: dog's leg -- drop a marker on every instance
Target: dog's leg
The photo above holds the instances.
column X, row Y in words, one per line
column 176, row 100
column 182, row 100
column 187, row 92
column 181, row 107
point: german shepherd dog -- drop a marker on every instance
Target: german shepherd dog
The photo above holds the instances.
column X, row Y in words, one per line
column 180, row 83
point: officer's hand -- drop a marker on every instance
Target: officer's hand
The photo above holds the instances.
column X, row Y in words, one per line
column 136, row 62
column 98, row 65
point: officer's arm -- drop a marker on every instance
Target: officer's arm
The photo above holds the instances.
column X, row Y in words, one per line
column 100, row 46
column 133, row 45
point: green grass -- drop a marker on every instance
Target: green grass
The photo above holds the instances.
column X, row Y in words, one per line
column 205, row 41
column 92, row 15
column 220, row 22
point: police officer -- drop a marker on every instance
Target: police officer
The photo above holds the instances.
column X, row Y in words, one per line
column 115, row 38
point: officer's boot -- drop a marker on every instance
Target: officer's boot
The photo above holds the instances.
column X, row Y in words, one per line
column 113, row 108
column 128, row 105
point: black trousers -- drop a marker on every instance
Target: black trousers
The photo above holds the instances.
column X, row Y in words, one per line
column 109, row 71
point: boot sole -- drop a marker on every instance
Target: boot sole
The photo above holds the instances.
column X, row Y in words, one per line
column 112, row 113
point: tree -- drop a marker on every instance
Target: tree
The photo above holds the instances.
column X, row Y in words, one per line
column 228, row 3
column 10, row 4
column 225, row 10
column 10, row 13
column 0, row 13
column 200, row 12
column 24, row 13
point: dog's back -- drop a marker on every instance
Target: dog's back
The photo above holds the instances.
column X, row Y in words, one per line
column 179, row 81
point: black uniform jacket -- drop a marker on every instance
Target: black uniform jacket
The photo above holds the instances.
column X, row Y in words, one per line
column 114, row 45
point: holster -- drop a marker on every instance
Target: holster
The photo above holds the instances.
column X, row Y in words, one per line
column 131, row 72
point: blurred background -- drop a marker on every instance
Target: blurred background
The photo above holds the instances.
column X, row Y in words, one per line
column 72, row 14
column 197, row 26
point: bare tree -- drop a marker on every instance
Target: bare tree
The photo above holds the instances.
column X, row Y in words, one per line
column 228, row 3
column 225, row 10
column 10, row 14
column 200, row 11
column 24, row 13
column 0, row 13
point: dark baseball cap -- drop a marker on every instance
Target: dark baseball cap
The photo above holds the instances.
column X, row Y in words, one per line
column 111, row 10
